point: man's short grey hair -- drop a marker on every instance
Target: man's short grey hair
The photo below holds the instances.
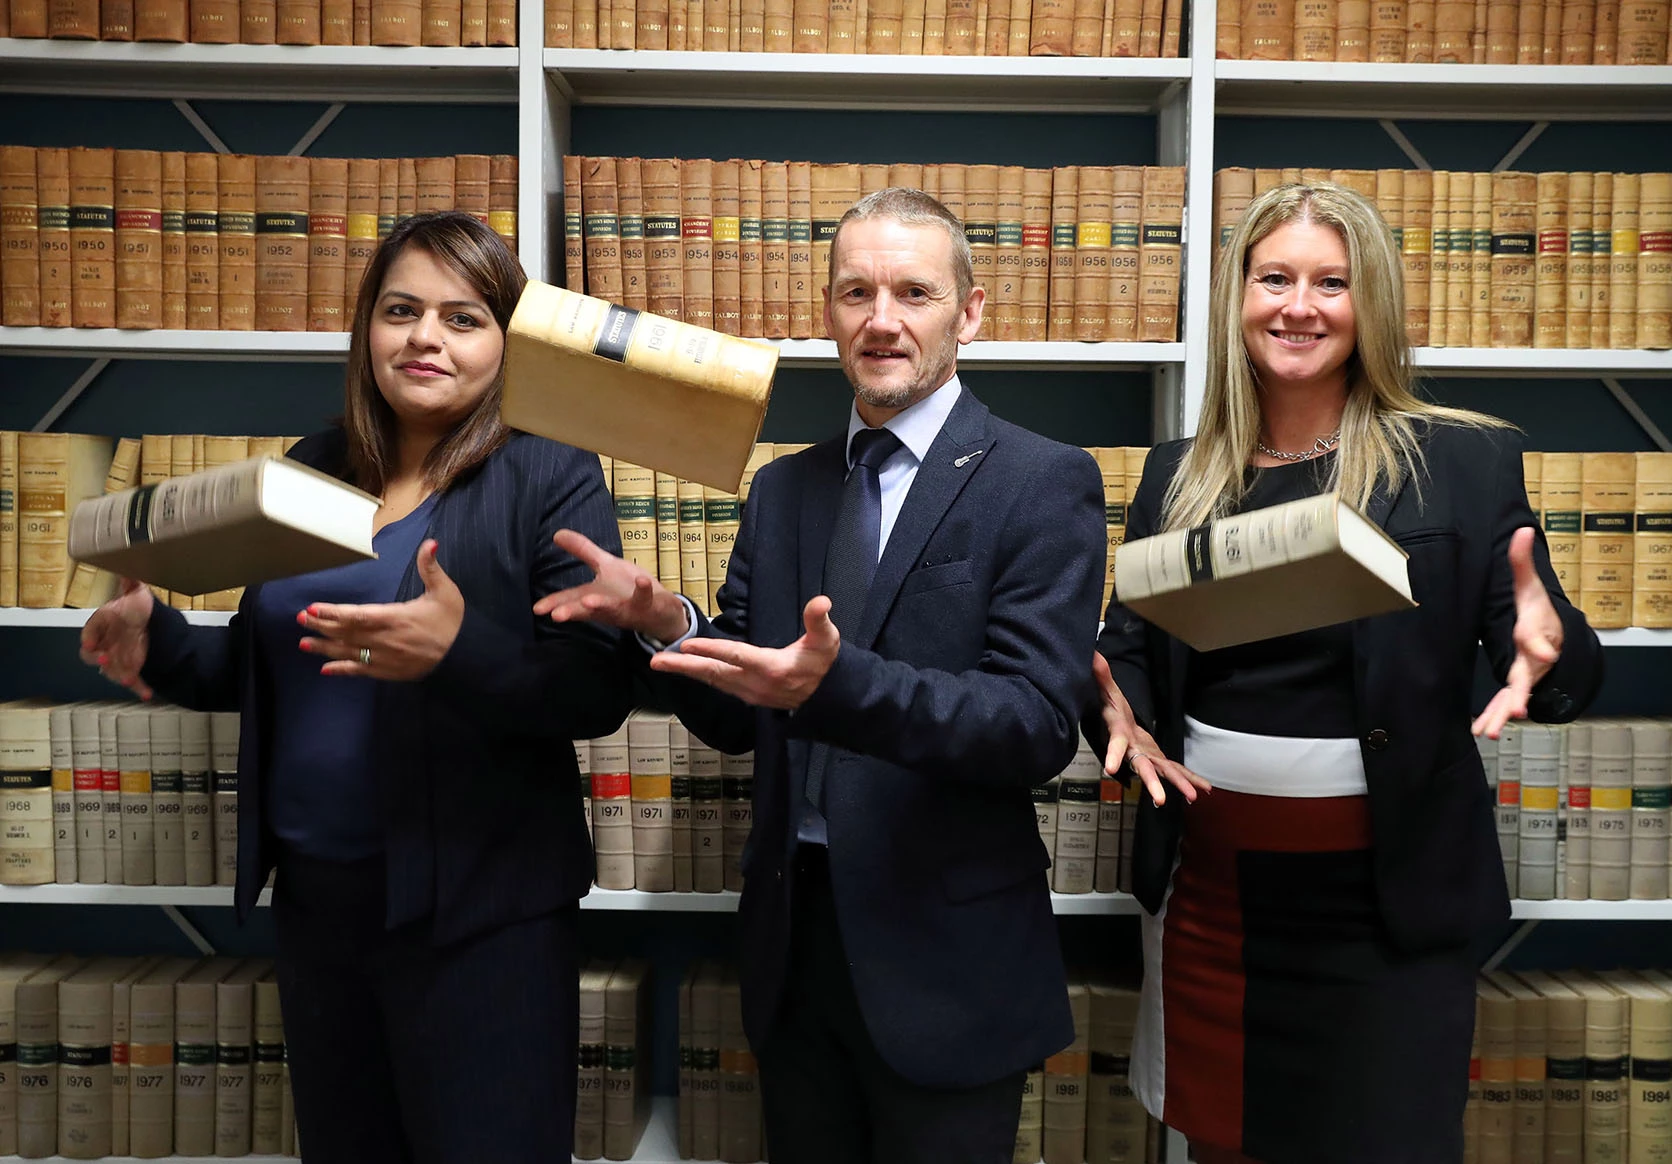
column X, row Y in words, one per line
column 911, row 207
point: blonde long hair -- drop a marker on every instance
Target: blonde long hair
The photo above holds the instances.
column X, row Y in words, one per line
column 1380, row 425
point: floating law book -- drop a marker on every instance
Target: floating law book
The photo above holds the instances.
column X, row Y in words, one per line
column 1269, row 572
column 233, row 525
column 635, row 386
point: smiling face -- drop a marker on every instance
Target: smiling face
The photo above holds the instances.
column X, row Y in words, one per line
column 435, row 347
column 894, row 311
column 1297, row 307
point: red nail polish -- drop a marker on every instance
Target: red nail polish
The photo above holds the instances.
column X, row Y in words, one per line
column 301, row 618
column 313, row 609
column 305, row 645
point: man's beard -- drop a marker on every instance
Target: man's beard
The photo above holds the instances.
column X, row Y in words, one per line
column 890, row 398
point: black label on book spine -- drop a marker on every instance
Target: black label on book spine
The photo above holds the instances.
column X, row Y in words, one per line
column 1103, row 1063
column 232, row 1054
column 37, row 1054
column 139, row 515
column 739, row 787
column 1605, row 1069
column 269, row 1052
column 661, row 226
column 1079, row 791
column 1655, row 523
column 194, row 783
column 194, row 1054
column 8, row 1052
column 1198, row 553
column 83, row 1056
column 589, row 1055
column 680, row 787
column 281, row 222
column 616, row 333
column 202, row 222
column 1045, row 793
column 166, row 783
column 1651, row 1070
column 706, row 788
column 226, row 782
column 1608, row 523
column 92, row 218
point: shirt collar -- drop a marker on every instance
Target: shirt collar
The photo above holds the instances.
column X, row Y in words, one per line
column 917, row 426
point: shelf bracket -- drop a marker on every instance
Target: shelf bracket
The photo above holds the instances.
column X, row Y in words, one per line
column 1404, row 143
column 202, row 126
column 1520, row 147
column 71, row 395
column 318, row 127
column 1521, row 934
column 193, row 934
column 1635, row 411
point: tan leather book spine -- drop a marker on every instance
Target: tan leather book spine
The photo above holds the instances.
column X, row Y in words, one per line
column 624, row 23
column 995, row 29
column 1085, row 37
column 1390, row 203
column 336, row 22
column 20, row 236
column 174, row 240
column 502, row 23
column 693, row 547
column 1233, row 190
column 652, row 30
column 203, row 300
column 360, row 231
column 1642, row 32
column 1268, row 30
column 811, row 20
column 726, row 232
column 586, row 23
column 236, row 173
column 1460, row 260
column 1580, row 260
column 934, row 28
column 912, row 16
column 388, row 195
column 981, row 209
column 1608, row 484
column 1529, row 33
column 1314, row 33
column 1418, row 250
column 89, row 586
column 751, row 248
column 116, row 19
column 842, row 25
column 1439, row 267
column 1052, row 29
column 1034, row 258
column 1387, row 31
column 1126, row 270
column 778, row 26
column 1605, row 32
column 1602, row 248
column 1514, row 235
column 805, row 315
column 1578, row 31
column 1480, row 260
column 440, row 21
column 8, row 517
column 1006, row 303
column 362, row 21
column 1125, row 28
column 873, row 177
column 168, row 21
column 28, row 18
column 629, row 194
column 327, row 243
column 1419, row 32
column 1172, row 26
column 696, row 228
column 1654, row 262
column 721, row 512
column 1552, row 39
column 1093, row 231
column 1550, row 307
column 749, row 26
column 667, row 530
column 395, row 22
column 1149, row 28
column 1651, row 570
column 664, row 249
column 775, row 250
column 1160, row 253
column 502, row 197
column 560, row 23
column 574, row 234
column 1622, row 280
column 258, row 21
column 954, row 184
column 52, row 190
column 281, row 237
column 602, row 224
column 434, row 189
column 1065, row 228
column 93, row 237
column 55, row 473
column 834, row 189
column 1352, row 30
column 1454, row 23
column 1502, row 31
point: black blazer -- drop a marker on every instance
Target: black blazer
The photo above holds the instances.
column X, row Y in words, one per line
column 959, row 691
column 1439, row 874
column 481, row 794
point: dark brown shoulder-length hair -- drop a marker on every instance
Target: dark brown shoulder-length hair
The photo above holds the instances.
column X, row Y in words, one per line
column 471, row 250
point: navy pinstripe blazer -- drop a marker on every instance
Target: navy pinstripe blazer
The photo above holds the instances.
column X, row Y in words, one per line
column 481, row 795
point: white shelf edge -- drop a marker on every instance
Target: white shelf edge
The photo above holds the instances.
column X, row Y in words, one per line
column 160, row 344
column 1635, row 636
column 319, row 58
column 1524, row 910
column 1442, row 76
column 993, row 69
column 992, row 353
column 1545, row 361
column 65, row 617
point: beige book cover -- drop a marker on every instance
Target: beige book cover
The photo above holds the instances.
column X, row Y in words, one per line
column 1078, row 793
column 1093, row 234
column 1651, row 579
column 1387, row 31
column 751, row 258
column 88, row 778
column 1030, row 1127
column 1453, row 31
column 1479, row 270
column 1564, row 1065
column 1576, row 768
column 1538, row 816
column 1440, row 266
column 589, row 1080
column 1608, row 482
column 612, row 801
column 1508, row 812
column 1034, row 256
column 1581, row 260
column 1065, row 220
column 664, row 250
column 737, row 775
column 805, row 319
column 1314, row 32
column 1647, row 1100
column 667, row 530
column 722, row 514
column 502, row 198
column 56, row 471
column 1460, row 260
column 133, row 751
column 726, row 225
column 62, row 742
column 194, row 1056
column 92, row 228
column 235, row 217
column 1527, row 1130
column 139, row 238
column 223, row 762
column 151, row 1083
column 8, row 517
column 1116, row 1124
column 1496, row 1024
column 629, row 201
column 52, row 191
column 38, row 1056
column 1065, row 1082
column 775, row 254
column 20, row 276
column 85, row 1057
column 121, row 1034
column 1606, row 1065
column 682, row 399
column 281, row 243
column 679, row 803
column 707, row 819
column 706, row 984
column 1106, row 872
column 327, row 271
column 1418, row 249
column 693, row 542
column 627, row 1041
column 267, row 1088
column 1602, row 244
column 635, row 513
column 1611, row 775
column 1160, row 253
column 574, row 233
column 1045, row 812
column 197, row 804
column 650, row 763
column 234, row 1060
column 740, row 1104
column 167, row 808
column 1352, row 31
column 14, row 968
column 1270, row 572
column 981, row 209
column 696, row 228
column 1625, row 236
column 26, row 809
column 90, row 587
column 1651, row 818
column 1654, row 261
column 247, row 522
column 1578, row 31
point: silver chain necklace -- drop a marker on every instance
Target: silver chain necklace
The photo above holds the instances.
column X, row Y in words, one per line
column 1320, row 446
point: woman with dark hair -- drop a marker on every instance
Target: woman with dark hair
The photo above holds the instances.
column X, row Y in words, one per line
column 404, row 762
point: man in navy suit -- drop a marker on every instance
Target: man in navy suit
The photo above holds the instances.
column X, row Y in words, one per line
column 902, row 643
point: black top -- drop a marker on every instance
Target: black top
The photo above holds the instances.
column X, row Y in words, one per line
column 1295, row 685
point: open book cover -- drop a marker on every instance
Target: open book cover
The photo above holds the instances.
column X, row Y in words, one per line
column 656, row 392
column 1269, row 572
column 233, row 525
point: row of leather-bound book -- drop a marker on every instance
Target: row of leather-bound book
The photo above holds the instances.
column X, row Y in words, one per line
column 442, row 23
column 1508, row 259
column 1479, row 32
column 931, row 28
column 743, row 246
column 201, row 241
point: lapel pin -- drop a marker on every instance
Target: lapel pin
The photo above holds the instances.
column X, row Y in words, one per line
column 967, row 458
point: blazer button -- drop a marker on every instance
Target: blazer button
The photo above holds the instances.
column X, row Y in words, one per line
column 1377, row 740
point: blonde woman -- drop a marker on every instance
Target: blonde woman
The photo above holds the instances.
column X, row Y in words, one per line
column 1317, row 848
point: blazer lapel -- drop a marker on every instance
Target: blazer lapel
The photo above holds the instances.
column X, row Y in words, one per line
column 821, row 494
column 954, row 458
